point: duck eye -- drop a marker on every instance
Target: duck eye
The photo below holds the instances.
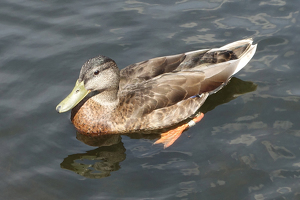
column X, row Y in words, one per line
column 96, row 72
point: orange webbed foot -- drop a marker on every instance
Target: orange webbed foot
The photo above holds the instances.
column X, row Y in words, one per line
column 169, row 137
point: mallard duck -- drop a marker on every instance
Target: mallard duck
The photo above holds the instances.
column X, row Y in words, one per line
column 154, row 94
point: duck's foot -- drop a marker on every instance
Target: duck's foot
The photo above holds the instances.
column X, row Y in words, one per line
column 169, row 137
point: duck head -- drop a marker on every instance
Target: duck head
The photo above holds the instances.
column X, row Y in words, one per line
column 97, row 74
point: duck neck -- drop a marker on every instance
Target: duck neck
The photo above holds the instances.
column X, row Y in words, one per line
column 107, row 99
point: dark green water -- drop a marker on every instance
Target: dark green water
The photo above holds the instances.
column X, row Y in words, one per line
column 246, row 147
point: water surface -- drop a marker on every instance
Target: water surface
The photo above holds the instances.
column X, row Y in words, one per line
column 246, row 147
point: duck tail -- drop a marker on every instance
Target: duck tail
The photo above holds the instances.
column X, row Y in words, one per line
column 244, row 50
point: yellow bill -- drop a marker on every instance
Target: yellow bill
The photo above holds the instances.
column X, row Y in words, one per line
column 77, row 94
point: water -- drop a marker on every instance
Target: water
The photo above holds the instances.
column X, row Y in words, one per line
column 246, row 147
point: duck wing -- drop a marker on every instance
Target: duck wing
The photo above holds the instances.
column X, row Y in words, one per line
column 162, row 91
column 180, row 93
column 143, row 71
column 241, row 50
column 164, row 100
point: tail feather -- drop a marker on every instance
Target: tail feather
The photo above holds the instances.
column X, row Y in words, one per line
column 245, row 58
column 217, row 73
column 240, row 53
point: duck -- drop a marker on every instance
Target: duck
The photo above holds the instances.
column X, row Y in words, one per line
column 157, row 94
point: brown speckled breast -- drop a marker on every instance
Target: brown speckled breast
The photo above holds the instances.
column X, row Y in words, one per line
column 89, row 118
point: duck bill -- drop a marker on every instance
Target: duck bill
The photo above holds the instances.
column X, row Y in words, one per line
column 77, row 94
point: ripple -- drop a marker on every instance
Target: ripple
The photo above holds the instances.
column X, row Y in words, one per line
column 278, row 152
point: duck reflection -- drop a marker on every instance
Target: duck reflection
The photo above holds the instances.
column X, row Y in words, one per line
column 232, row 90
column 100, row 162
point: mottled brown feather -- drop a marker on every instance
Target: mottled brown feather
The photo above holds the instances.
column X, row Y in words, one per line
column 160, row 92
